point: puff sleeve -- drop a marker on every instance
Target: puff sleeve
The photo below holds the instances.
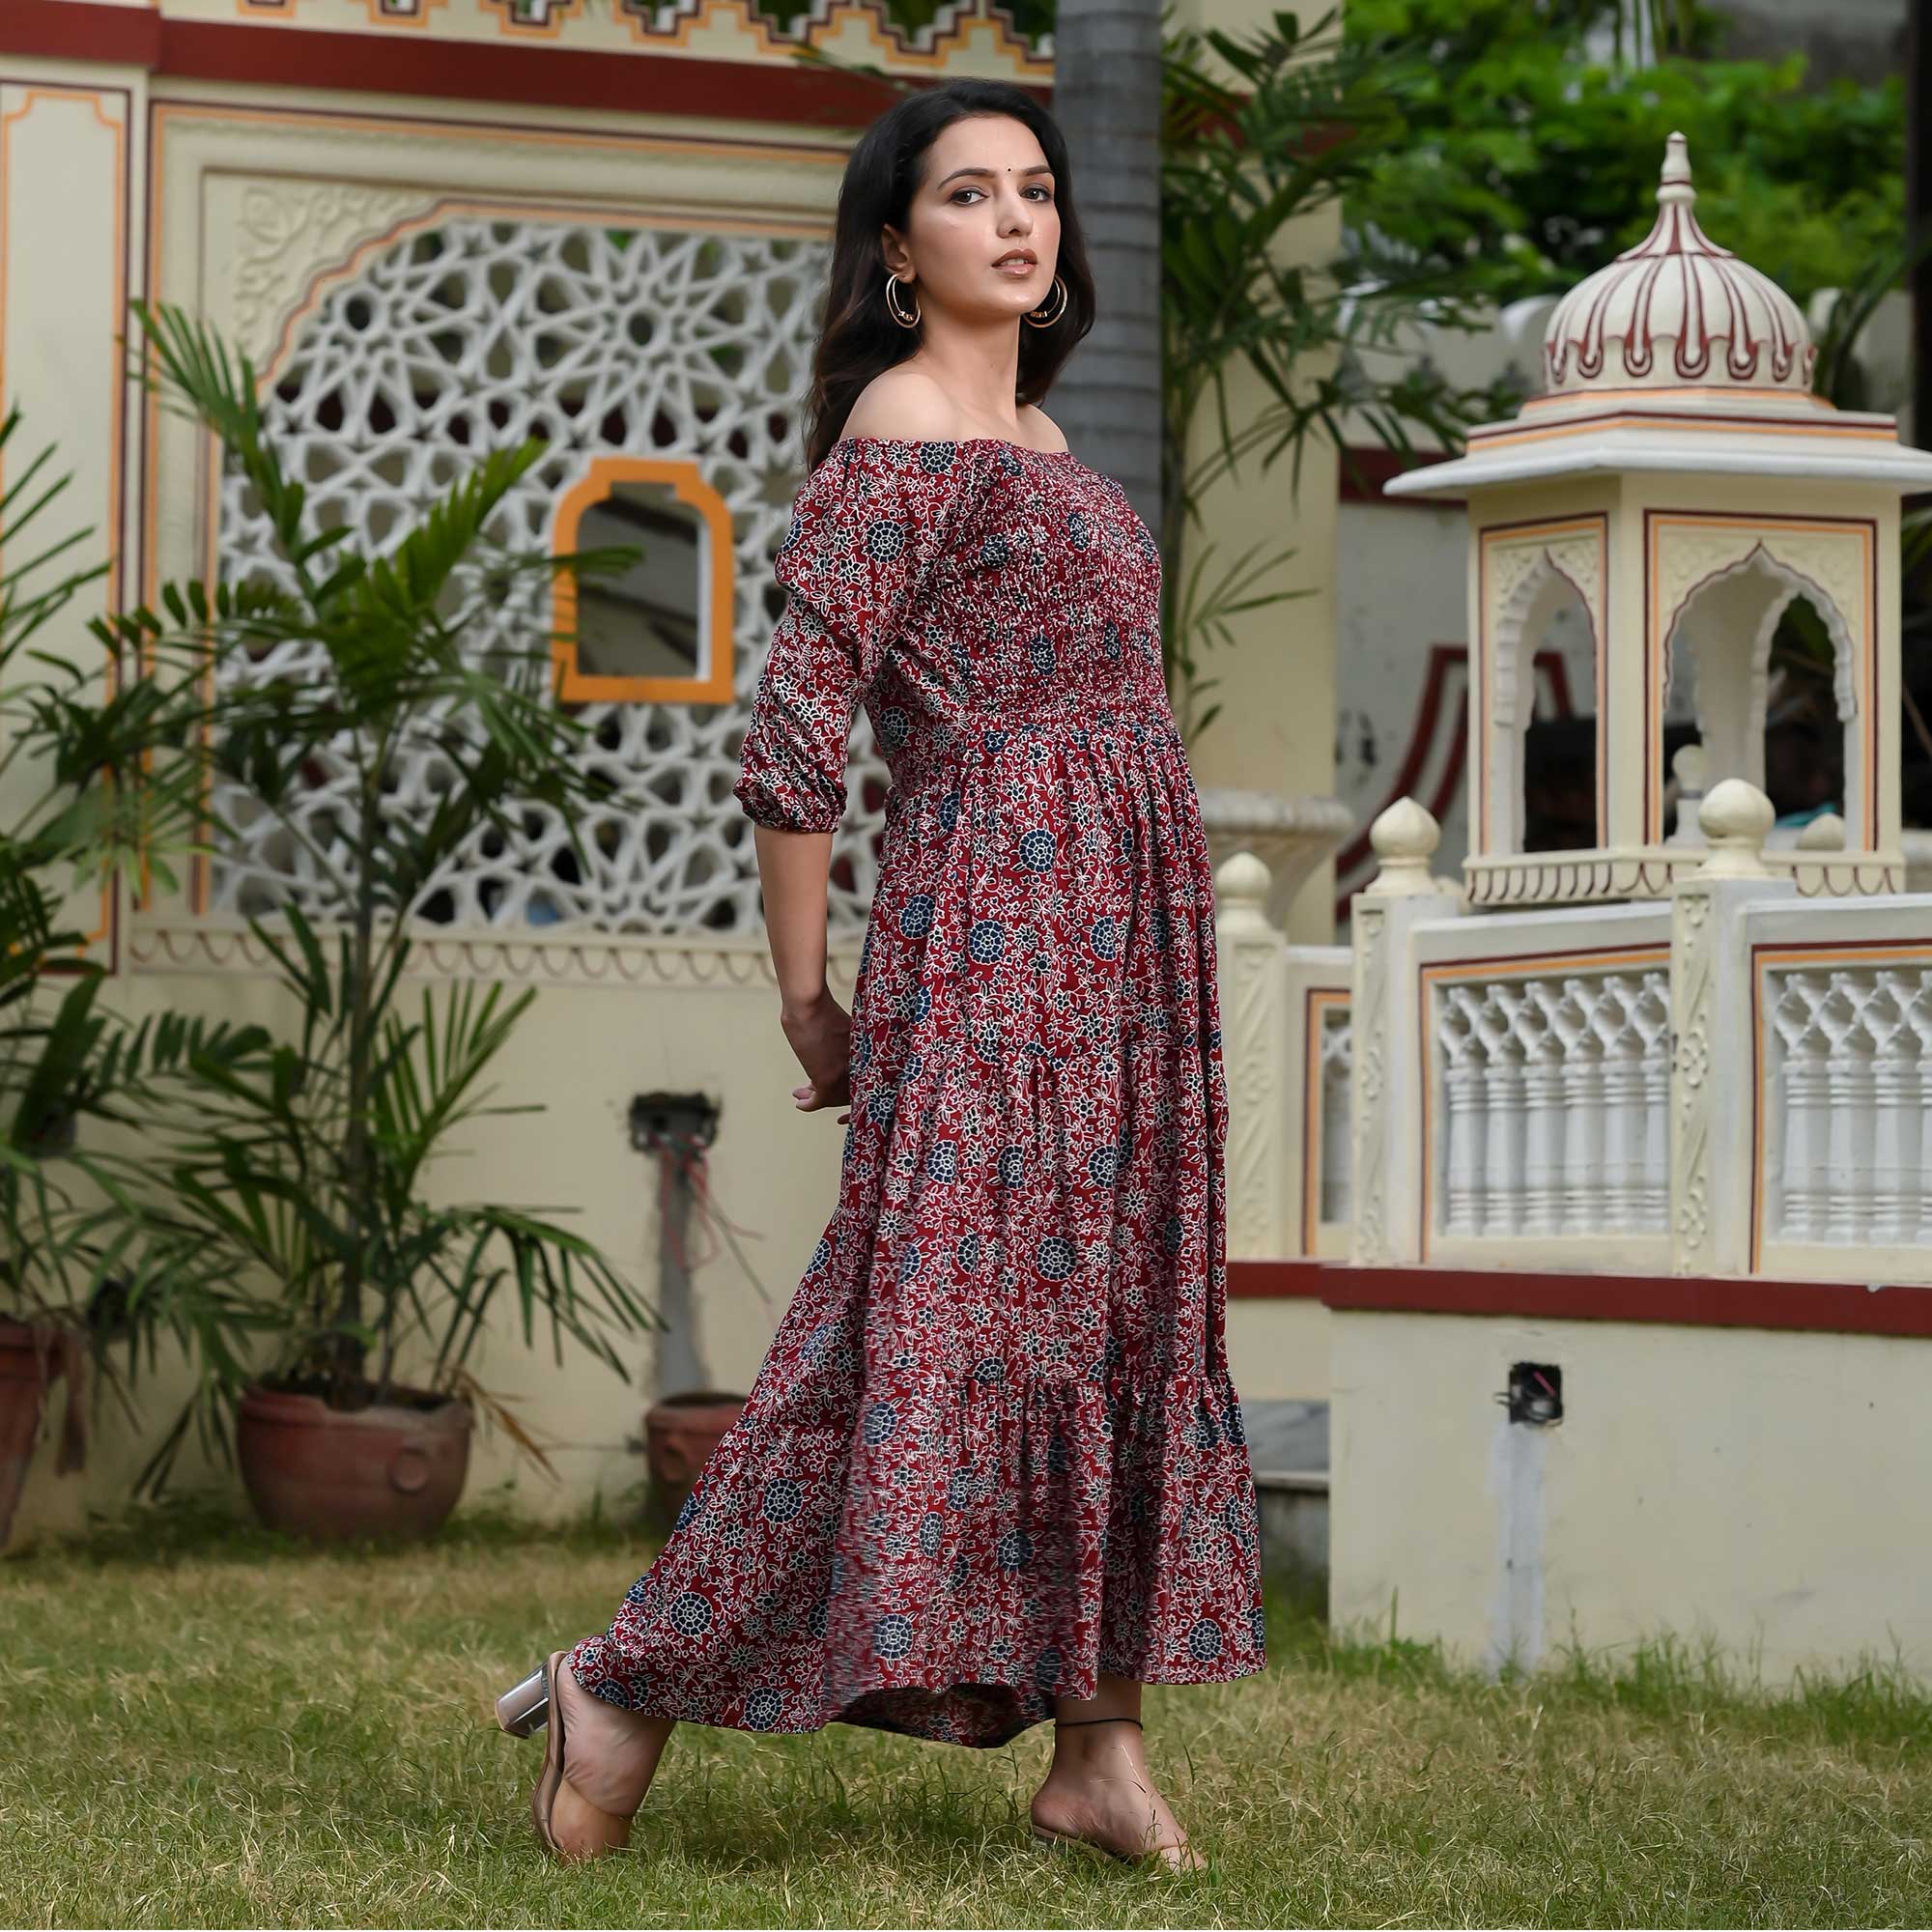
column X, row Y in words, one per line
column 868, row 527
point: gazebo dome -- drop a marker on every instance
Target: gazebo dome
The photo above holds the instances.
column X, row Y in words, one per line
column 1677, row 311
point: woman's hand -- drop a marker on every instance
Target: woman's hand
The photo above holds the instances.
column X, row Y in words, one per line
column 820, row 1034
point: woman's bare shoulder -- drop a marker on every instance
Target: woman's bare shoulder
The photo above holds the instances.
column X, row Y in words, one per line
column 902, row 404
column 908, row 406
column 1040, row 428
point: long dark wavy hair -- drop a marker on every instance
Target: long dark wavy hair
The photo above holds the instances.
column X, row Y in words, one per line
column 858, row 338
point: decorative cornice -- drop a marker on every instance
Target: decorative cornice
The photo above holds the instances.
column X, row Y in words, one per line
column 722, row 58
column 184, row 945
column 1646, row 872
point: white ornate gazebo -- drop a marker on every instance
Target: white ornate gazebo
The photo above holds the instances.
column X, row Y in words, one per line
column 1632, row 1333
column 1680, row 481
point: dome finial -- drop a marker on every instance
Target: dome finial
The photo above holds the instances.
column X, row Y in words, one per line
column 1676, row 311
column 1674, row 180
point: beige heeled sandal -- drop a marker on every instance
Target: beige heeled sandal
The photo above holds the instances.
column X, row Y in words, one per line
column 519, row 1712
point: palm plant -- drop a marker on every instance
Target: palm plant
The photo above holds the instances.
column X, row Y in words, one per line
column 87, row 1258
column 307, row 1170
column 1305, row 121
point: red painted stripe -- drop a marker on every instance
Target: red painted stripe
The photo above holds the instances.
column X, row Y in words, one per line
column 1374, row 465
column 1694, row 1301
column 258, row 54
column 72, row 30
column 1276, row 1280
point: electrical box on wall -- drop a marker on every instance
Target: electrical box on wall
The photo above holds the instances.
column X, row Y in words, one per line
column 1535, row 1393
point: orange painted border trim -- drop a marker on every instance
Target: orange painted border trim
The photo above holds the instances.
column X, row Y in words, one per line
column 688, row 486
column 163, row 113
column 1502, row 966
column 1707, row 422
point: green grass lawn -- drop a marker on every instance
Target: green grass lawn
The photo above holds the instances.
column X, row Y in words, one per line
column 209, row 1726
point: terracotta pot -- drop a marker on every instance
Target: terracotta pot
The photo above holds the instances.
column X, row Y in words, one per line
column 336, row 1475
column 25, row 1377
column 680, row 1433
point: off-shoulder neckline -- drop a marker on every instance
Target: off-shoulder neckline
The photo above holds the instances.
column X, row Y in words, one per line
column 921, row 441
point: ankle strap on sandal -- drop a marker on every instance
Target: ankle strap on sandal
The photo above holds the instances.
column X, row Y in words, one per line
column 1063, row 1722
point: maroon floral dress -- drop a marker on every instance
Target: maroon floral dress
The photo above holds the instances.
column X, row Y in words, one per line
column 994, row 1448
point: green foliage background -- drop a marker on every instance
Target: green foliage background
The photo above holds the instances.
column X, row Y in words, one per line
column 1528, row 165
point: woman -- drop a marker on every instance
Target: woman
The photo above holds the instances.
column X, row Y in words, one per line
column 992, row 1469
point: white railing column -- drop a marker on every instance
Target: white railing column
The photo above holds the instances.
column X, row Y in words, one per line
column 1253, row 1056
column 1466, row 1154
column 1902, row 1103
column 1710, row 1153
column 1388, row 1061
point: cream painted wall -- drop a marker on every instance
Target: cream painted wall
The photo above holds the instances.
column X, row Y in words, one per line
column 583, row 1053
column 318, row 188
column 1276, row 729
column 65, row 270
column 1765, row 1487
column 1278, row 1349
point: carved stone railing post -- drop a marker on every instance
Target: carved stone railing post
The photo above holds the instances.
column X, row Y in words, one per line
column 1253, row 1053
column 1711, row 1103
column 1388, row 1063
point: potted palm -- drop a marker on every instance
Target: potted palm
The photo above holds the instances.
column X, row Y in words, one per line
column 308, row 1169
column 86, row 1262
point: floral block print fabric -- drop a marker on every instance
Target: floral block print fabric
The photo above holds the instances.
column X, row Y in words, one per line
column 994, row 1448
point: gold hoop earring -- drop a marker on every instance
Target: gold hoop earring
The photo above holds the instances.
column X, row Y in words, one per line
column 892, row 305
column 1040, row 320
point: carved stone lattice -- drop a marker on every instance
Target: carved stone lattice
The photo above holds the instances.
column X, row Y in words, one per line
column 476, row 332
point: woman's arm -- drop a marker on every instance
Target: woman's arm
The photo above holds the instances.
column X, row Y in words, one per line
column 793, row 871
column 868, row 527
column 794, row 868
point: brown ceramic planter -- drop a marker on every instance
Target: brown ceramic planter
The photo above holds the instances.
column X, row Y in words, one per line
column 336, row 1475
column 680, row 1433
column 25, row 1376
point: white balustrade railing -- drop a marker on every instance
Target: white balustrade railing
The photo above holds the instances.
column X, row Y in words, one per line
column 1851, row 1103
column 1554, row 1104
column 1736, row 1079
column 1286, row 1050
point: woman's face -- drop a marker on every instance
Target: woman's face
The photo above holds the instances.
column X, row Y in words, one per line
column 986, row 192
